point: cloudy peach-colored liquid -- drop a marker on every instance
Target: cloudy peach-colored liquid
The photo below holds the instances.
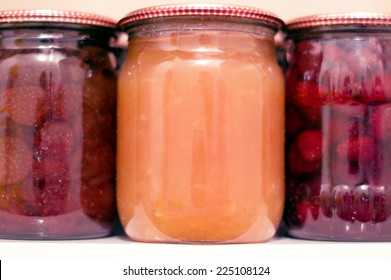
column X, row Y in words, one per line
column 200, row 138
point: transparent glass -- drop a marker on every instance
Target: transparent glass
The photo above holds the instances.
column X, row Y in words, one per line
column 200, row 133
column 338, row 134
column 57, row 134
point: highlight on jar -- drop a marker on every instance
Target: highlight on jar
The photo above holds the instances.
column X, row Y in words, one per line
column 200, row 125
column 57, row 125
column 338, row 127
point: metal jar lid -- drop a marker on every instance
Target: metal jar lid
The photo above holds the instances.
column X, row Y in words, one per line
column 45, row 17
column 201, row 10
column 344, row 19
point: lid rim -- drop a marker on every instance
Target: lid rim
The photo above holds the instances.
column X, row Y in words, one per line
column 339, row 19
column 55, row 16
column 170, row 11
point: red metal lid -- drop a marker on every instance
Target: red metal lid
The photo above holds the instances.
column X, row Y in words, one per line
column 54, row 16
column 198, row 10
column 344, row 19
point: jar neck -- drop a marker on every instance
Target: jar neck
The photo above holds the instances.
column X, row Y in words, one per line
column 42, row 38
column 184, row 25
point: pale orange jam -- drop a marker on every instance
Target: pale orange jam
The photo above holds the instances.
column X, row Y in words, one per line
column 200, row 138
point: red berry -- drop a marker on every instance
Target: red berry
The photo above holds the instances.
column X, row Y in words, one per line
column 364, row 59
column 381, row 204
column 363, row 203
column 15, row 160
column 50, row 169
column 360, row 148
column 343, row 202
column 307, row 94
column 331, row 53
column 297, row 165
column 309, row 145
column 308, row 57
column 376, row 88
column 52, row 195
column 302, row 209
column 55, row 139
column 26, row 105
column 339, row 84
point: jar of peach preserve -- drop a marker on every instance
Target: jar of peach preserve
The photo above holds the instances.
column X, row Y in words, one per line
column 57, row 130
column 200, row 125
column 338, row 127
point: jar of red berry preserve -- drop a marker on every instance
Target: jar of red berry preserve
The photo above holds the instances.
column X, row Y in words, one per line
column 57, row 125
column 200, row 125
column 338, row 127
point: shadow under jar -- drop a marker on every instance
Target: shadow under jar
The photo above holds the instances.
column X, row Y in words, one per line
column 57, row 125
column 338, row 127
column 200, row 125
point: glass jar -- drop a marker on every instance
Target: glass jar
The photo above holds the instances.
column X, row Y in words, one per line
column 338, row 127
column 200, row 125
column 57, row 125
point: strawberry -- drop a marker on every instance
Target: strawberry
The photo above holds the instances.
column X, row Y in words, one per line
column 309, row 145
column 52, row 195
column 302, row 209
column 26, row 105
column 50, row 169
column 15, row 160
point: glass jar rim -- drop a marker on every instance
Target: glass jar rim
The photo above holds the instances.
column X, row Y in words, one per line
column 200, row 10
column 341, row 19
column 45, row 16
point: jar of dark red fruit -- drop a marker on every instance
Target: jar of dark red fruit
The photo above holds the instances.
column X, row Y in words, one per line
column 338, row 127
column 200, row 125
column 57, row 128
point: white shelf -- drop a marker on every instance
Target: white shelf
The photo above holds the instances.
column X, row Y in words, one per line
column 120, row 247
